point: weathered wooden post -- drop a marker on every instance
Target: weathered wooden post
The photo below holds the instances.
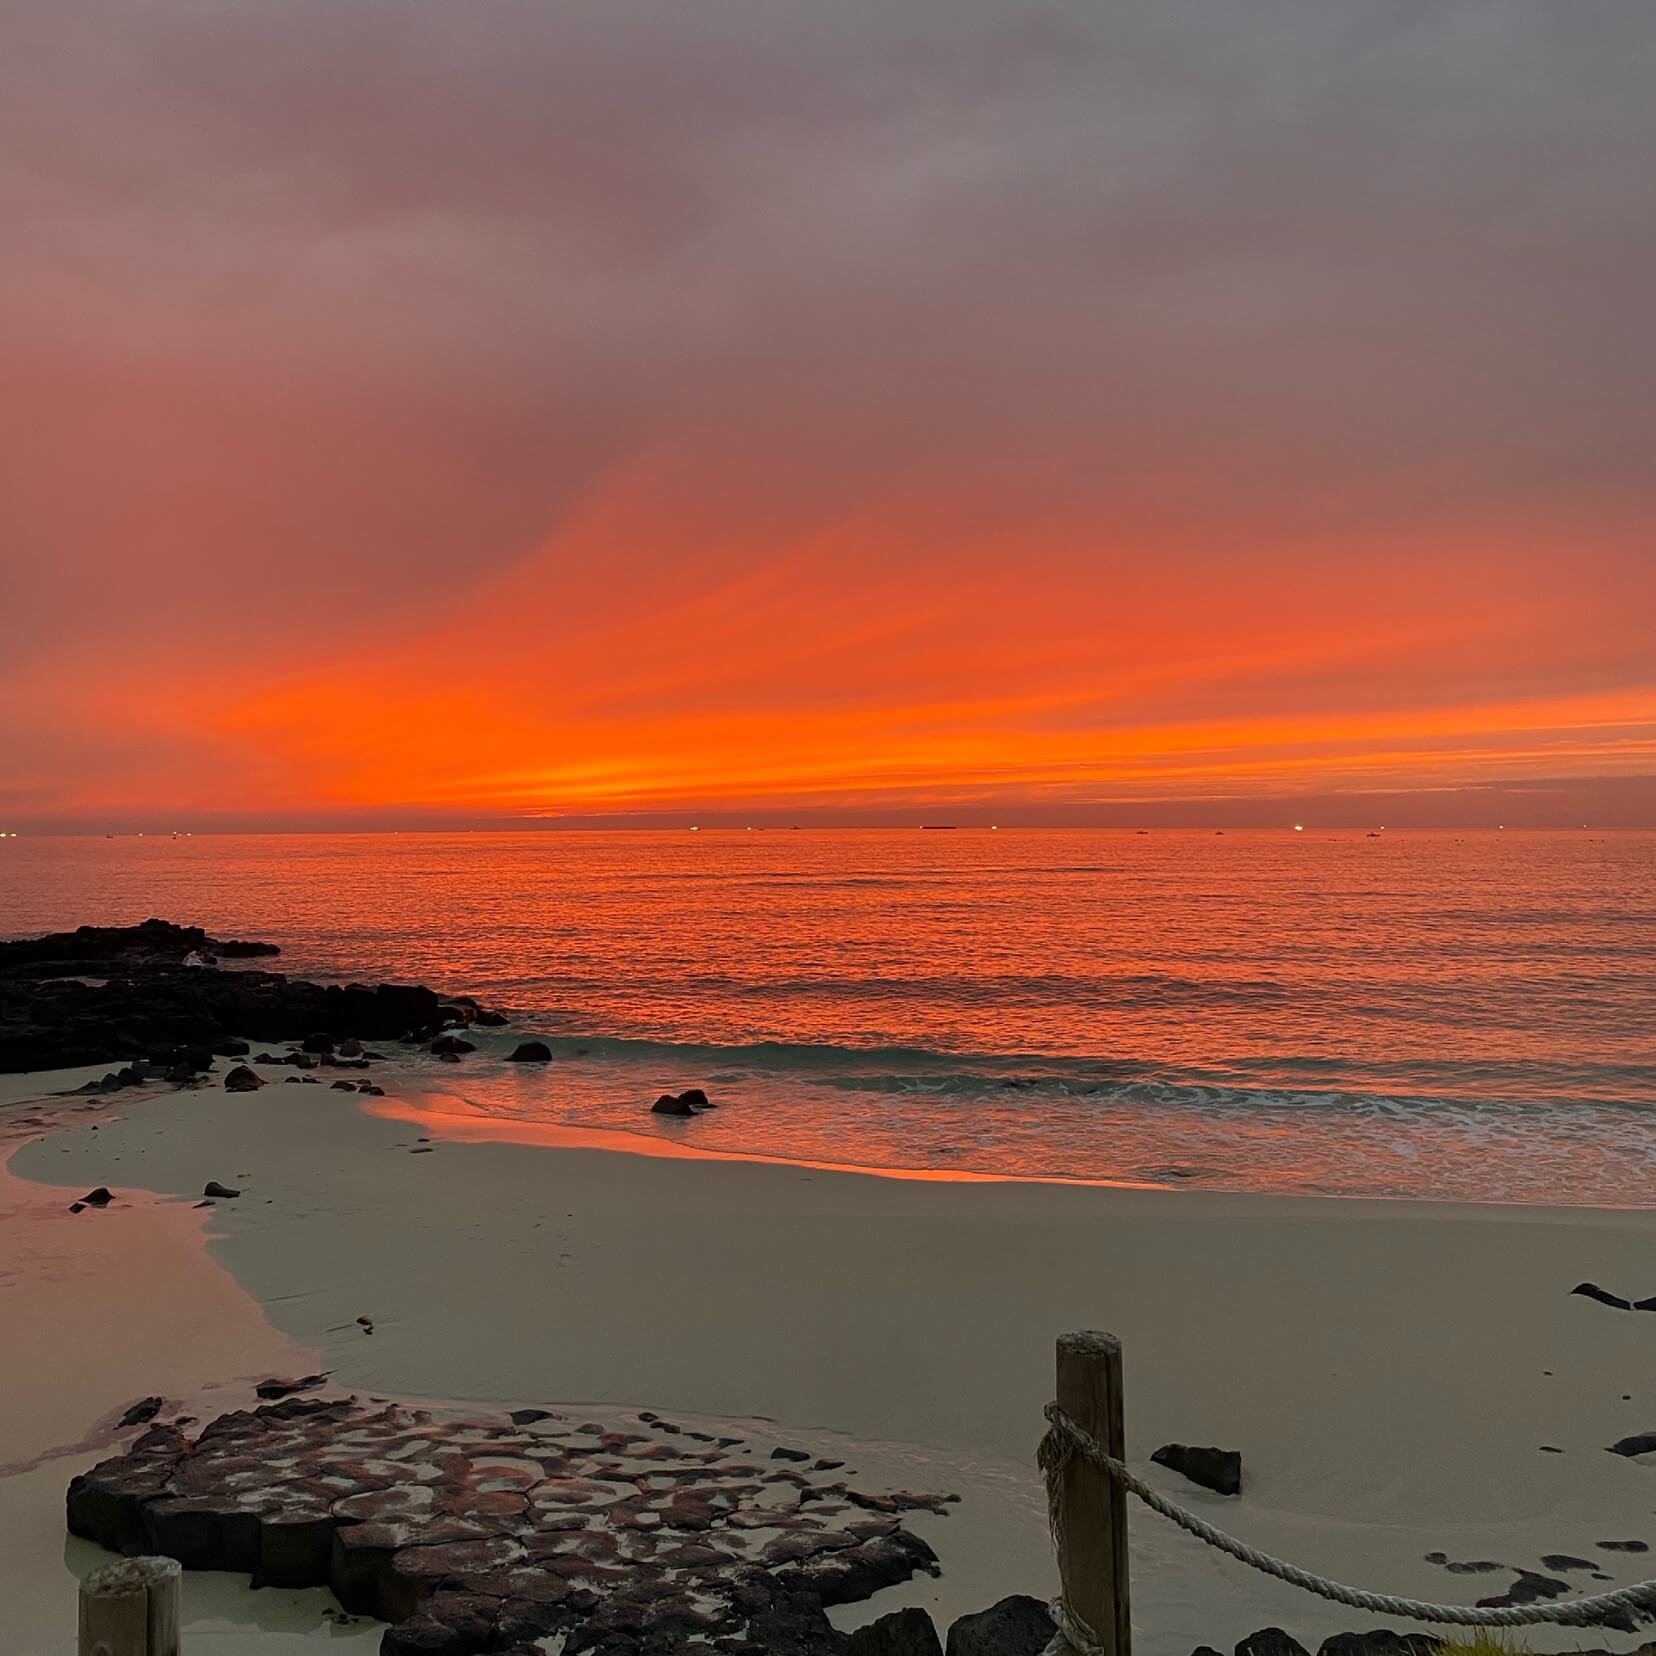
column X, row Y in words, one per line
column 1092, row 1558
column 131, row 1609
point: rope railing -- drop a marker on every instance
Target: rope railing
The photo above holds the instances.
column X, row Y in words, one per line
column 1083, row 1606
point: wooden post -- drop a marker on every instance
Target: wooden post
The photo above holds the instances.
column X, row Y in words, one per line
column 131, row 1609
column 1093, row 1557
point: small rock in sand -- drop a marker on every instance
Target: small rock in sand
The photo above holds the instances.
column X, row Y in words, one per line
column 1566, row 1561
column 242, row 1079
column 1592, row 1291
column 220, row 1192
column 1641, row 1443
column 1623, row 1546
column 1526, row 1589
column 97, row 1198
column 1217, row 1469
column 141, row 1412
column 780, row 1453
column 275, row 1387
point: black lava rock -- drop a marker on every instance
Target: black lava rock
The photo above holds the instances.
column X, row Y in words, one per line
column 1380, row 1641
column 1016, row 1626
column 1217, row 1469
column 1592, row 1291
column 530, row 1052
column 1271, row 1641
column 902, row 1633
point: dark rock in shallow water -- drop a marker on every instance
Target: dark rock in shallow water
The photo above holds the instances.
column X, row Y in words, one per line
column 1271, row 1641
column 1016, row 1626
column 530, row 1052
column 902, row 1633
column 318, row 1044
column 492, row 1020
column 1592, row 1291
column 670, row 1105
column 451, row 1046
column 242, row 1079
column 1623, row 1546
column 220, row 1192
column 141, row 1412
column 1641, row 1443
column 1216, row 1469
column 696, row 1097
column 1566, row 1561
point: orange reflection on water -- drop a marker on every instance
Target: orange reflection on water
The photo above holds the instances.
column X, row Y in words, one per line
column 453, row 1118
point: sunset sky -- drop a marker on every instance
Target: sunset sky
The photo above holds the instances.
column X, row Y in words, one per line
column 429, row 411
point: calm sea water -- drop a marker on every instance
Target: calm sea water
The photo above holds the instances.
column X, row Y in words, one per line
column 1412, row 1015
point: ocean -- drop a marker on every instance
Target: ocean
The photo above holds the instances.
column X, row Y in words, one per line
column 1462, row 1016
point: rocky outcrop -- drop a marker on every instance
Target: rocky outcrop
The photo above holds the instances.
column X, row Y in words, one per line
column 483, row 1534
column 106, row 994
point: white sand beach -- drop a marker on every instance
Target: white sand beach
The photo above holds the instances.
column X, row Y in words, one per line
column 1390, row 1371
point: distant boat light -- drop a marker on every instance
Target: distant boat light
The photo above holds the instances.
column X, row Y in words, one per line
column 1299, row 827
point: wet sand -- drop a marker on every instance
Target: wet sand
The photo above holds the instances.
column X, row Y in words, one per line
column 1390, row 1371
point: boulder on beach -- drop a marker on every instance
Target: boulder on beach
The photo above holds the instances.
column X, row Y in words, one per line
column 219, row 1191
column 451, row 1046
column 1217, row 1469
column 1379, row 1641
column 901, row 1633
column 1016, row 1626
column 529, row 1052
column 242, row 1079
column 97, row 1198
column 1271, row 1641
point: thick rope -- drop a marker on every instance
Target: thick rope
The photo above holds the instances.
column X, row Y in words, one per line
column 1065, row 1439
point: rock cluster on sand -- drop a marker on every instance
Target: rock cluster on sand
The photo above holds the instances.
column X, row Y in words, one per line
column 488, row 1534
column 105, row 993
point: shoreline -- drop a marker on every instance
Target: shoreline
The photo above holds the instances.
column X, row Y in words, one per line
column 1382, row 1365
